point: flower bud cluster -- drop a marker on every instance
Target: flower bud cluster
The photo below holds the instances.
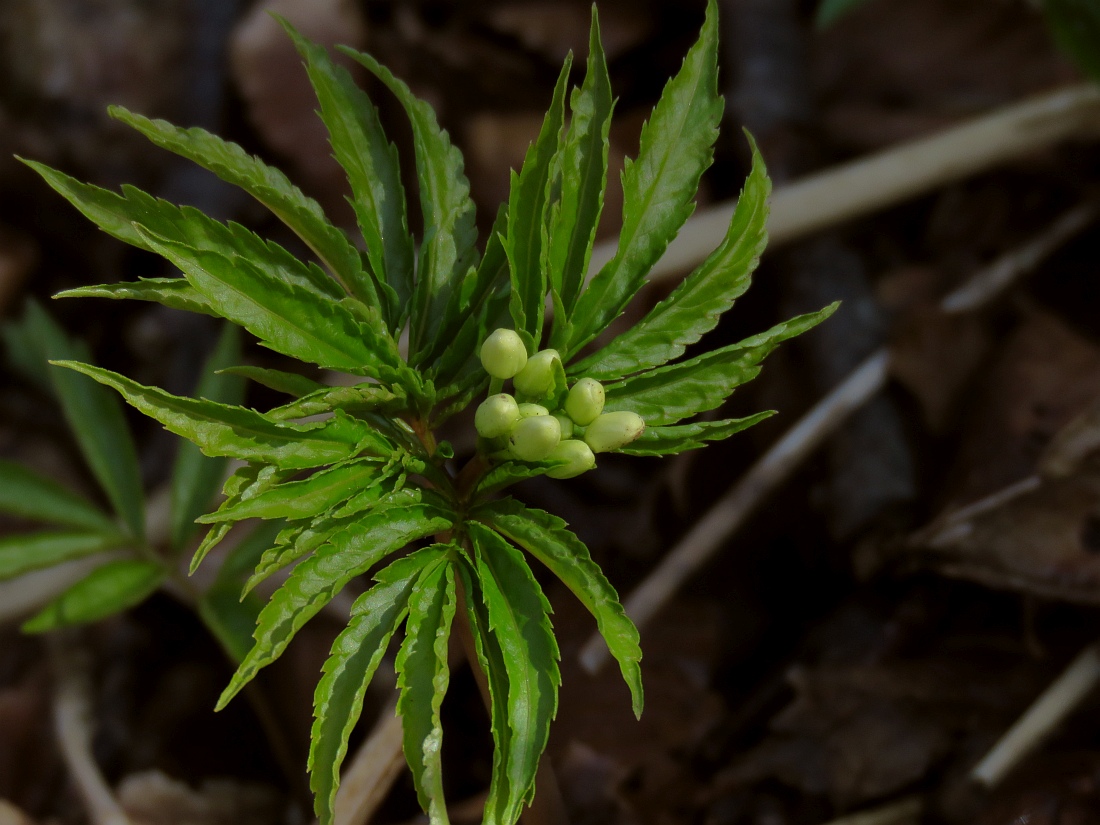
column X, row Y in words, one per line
column 531, row 431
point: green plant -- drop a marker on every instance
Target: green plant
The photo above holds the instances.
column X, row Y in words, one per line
column 357, row 471
column 133, row 563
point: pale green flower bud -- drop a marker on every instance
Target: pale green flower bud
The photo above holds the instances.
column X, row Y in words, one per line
column 579, row 456
column 530, row 410
column 503, row 354
column 537, row 377
column 613, row 430
column 585, row 401
column 567, row 426
column 496, row 416
column 533, row 438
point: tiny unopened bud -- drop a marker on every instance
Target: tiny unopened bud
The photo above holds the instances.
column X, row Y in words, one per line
column 613, row 430
column 533, row 438
column 503, row 353
column 496, row 416
column 530, row 410
column 567, row 425
column 585, row 401
column 537, row 377
column 578, row 456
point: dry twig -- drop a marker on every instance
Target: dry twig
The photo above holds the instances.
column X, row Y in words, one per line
column 1045, row 713
column 905, row 812
column 73, row 728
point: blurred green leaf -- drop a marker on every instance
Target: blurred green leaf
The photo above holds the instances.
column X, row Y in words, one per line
column 107, row 590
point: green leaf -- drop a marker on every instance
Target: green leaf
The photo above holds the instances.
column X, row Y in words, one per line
column 423, row 676
column 297, row 540
column 373, row 170
column 583, row 160
column 246, row 554
column 697, row 303
column 508, row 473
column 519, row 619
column 668, row 394
column 284, row 316
column 357, row 398
column 230, row 618
column 681, row 437
column 195, row 477
column 107, row 590
column 122, row 215
column 548, row 539
column 175, row 293
column 21, row 553
column 483, row 299
column 243, row 483
column 25, row 493
column 447, row 249
column 315, row 581
column 306, row 498
column 356, row 654
column 96, row 419
column 658, row 187
column 1075, row 27
column 490, row 658
column 238, row 432
column 266, row 184
column 527, row 208
column 290, row 383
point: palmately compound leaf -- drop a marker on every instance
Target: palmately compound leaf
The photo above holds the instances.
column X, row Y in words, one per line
column 658, row 186
column 547, row 538
column 174, row 293
column 423, row 677
column 374, row 173
column 314, row 582
column 238, row 432
column 26, row 494
column 681, row 437
column 243, row 483
column 697, row 303
column 22, row 552
column 671, row 393
column 490, row 658
column 110, row 589
column 355, row 656
column 195, row 477
column 266, row 184
column 447, row 249
column 286, row 317
column 527, row 206
column 519, row 620
column 94, row 416
column 358, row 398
column 583, row 160
column 307, row 497
column 123, row 215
